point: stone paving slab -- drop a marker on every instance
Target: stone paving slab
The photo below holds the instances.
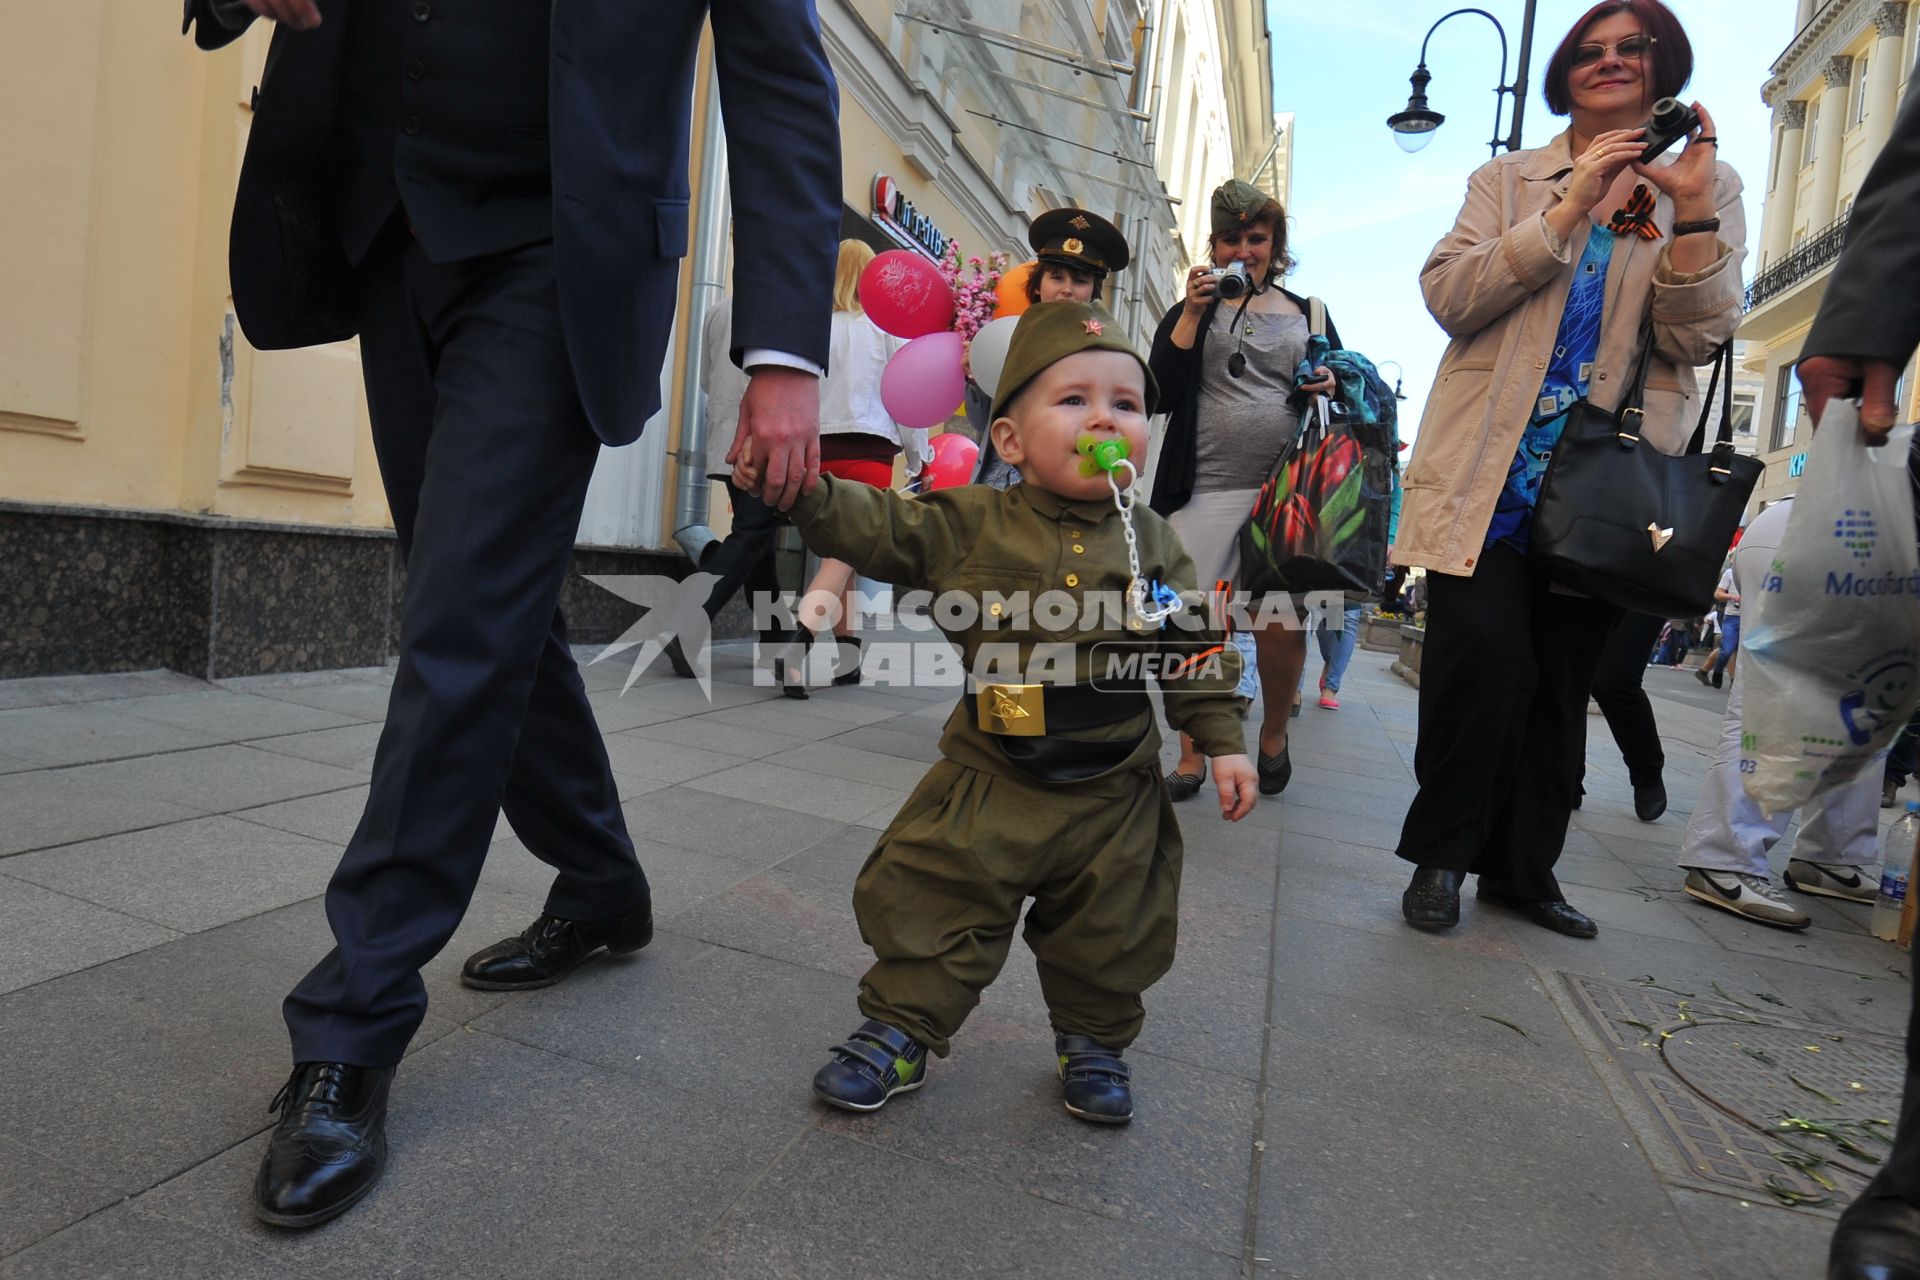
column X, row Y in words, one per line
column 46, row 691
column 501, row 1153
column 78, row 733
column 224, row 715
column 801, row 1220
column 44, row 934
column 187, row 876
column 347, row 747
column 331, row 816
column 215, row 779
column 47, row 807
column 41, row 1196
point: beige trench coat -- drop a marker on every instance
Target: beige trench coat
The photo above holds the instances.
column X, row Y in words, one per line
column 1497, row 287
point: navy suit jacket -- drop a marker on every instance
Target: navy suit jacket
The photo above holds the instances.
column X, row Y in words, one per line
column 620, row 106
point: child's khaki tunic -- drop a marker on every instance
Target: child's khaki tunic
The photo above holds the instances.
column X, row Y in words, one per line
column 941, row 893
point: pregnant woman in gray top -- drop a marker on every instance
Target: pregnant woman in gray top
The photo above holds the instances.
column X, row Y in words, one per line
column 1226, row 367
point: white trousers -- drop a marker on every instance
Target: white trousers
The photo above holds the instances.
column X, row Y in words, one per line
column 1729, row 833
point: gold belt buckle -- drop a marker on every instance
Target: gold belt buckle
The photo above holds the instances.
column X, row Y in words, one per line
column 1012, row 710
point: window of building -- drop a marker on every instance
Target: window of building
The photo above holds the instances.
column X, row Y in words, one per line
column 1859, row 105
column 1808, row 149
column 1787, row 410
column 1743, row 409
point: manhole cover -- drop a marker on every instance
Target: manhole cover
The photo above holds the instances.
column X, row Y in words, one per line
column 1777, row 1106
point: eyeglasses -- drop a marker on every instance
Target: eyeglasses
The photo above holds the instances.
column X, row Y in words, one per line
column 1633, row 48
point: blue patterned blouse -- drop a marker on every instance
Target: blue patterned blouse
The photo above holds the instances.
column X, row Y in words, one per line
column 1568, row 374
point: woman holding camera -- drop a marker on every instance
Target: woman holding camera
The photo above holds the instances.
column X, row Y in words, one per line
column 1559, row 261
column 1225, row 360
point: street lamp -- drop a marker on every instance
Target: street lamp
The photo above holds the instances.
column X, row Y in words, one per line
column 1413, row 128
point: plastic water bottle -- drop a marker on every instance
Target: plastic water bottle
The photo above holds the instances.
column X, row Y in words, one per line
column 1896, row 860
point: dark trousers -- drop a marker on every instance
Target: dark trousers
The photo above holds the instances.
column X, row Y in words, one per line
column 1503, row 723
column 745, row 556
column 485, row 453
column 1904, row 755
column 1617, row 687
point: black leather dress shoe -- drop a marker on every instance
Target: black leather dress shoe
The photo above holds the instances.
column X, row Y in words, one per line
column 1547, row 913
column 1650, row 800
column 552, row 948
column 330, row 1146
column 1432, row 901
column 1878, row 1239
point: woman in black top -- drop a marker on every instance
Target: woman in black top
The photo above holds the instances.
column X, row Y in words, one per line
column 1226, row 372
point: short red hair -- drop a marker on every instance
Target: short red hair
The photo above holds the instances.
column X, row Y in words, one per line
column 1671, row 65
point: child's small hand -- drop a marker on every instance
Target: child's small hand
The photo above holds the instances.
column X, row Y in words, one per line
column 1239, row 785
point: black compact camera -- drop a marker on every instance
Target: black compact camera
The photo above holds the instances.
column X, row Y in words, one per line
column 1231, row 280
column 1672, row 120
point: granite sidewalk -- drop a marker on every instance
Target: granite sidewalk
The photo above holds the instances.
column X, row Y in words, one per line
column 1323, row 1092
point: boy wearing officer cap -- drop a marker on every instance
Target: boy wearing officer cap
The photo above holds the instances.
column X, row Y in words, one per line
column 1073, row 252
column 1049, row 787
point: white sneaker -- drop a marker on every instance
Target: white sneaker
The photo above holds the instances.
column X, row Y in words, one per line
column 1751, row 896
column 1830, row 880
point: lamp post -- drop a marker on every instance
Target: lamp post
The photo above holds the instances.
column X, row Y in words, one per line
column 1413, row 128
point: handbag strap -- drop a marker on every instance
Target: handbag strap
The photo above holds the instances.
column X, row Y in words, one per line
column 1722, row 364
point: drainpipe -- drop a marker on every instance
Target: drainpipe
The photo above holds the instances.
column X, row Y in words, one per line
column 709, row 256
column 1141, row 96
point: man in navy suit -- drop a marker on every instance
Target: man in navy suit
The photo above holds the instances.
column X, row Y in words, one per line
column 493, row 195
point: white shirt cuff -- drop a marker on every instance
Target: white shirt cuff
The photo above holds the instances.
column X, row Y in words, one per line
column 754, row 356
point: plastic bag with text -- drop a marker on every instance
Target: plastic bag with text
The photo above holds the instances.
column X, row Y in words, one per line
column 1831, row 644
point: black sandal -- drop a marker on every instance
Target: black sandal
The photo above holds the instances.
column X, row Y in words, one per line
column 851, row 673
column 1276, row 771
column 790, row 668
column 1185, row 786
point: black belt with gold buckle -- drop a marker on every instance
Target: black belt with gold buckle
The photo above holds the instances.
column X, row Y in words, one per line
column 1036, row 710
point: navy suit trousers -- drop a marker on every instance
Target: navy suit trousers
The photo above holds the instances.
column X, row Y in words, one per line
column 485, row 453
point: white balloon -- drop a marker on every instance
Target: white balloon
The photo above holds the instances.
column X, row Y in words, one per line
column 987, row 355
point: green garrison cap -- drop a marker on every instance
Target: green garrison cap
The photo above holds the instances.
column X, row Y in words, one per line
column 1080, row 239
column 1234, row 204
column 1052, row 331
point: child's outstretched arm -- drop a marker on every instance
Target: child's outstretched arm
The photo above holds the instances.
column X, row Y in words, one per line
column 910, row 542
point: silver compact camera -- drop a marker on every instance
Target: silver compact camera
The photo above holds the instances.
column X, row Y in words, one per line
column 1231, row 280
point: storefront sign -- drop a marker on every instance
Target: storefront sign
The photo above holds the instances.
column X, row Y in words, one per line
column 898, row 218
column 1797, row 465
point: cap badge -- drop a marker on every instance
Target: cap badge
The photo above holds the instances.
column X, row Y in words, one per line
column 1072, row 245
column 1080, row 220
column 1096, row 328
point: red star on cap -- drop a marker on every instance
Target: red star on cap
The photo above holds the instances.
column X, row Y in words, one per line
column 1095, row 327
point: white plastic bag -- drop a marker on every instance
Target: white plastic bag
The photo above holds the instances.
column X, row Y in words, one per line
column 1831, row 645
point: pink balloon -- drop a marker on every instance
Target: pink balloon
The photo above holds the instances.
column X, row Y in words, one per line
column 923, row 381
column 954, row 457
column 905, row 295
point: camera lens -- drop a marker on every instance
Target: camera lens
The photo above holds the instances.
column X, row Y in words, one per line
column 1232, row 285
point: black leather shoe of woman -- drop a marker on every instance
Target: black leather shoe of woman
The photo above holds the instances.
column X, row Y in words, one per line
column 552, row 948
column 1432, row 901
column 1276, row 771
column 330, row 1146
column 1547, row 913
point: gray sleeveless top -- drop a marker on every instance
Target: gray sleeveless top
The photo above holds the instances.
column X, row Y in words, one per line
column 1244, row 422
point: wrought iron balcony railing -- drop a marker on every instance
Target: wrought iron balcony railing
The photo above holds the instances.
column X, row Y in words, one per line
column 1814, row 254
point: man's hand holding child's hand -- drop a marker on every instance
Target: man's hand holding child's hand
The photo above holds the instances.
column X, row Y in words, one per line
column 1238, row 783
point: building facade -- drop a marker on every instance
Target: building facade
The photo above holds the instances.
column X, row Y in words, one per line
column 1834, row 92
column 171, row 497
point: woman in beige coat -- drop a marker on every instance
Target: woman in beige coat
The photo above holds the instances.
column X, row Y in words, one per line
column 1545, row 284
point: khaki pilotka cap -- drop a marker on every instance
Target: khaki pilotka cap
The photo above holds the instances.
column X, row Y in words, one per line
column 1234, row 204
column 1052, row 331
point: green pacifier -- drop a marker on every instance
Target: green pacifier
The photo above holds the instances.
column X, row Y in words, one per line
column 1098, row 455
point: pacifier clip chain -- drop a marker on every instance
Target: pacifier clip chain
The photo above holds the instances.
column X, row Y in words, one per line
column 1150, row 608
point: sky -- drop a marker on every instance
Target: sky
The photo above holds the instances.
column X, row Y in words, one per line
column 1366, row 214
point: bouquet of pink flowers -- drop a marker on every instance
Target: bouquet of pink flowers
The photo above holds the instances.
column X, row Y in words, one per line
column 973, row 281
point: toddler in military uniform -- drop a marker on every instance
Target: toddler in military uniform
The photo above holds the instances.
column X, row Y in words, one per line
column 1049, row 791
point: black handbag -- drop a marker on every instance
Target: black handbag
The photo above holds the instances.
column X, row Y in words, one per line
column 1622, row 522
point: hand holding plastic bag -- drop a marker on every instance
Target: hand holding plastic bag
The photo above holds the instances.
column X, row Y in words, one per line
column 1831, row 649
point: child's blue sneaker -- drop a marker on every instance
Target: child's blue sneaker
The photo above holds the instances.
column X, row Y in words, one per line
column 876, row 1062
column 1094, row 1081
